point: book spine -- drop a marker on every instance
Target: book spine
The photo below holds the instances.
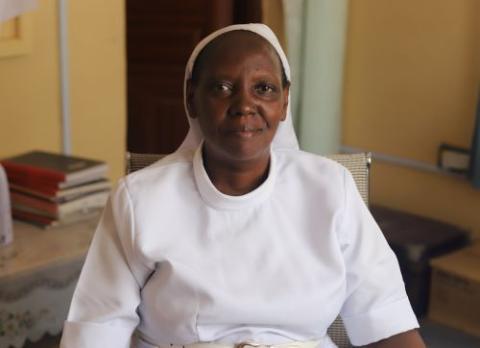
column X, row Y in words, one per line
column 35, row 203
column 21, row 173
column 38, row 220
column 33, row 183
column 44, row 192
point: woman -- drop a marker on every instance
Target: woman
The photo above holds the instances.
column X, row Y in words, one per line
column 238, row 236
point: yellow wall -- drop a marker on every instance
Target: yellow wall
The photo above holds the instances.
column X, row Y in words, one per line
column 30, row 115
column 411, row 81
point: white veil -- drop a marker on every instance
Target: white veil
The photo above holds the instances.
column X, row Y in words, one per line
column 285, row 136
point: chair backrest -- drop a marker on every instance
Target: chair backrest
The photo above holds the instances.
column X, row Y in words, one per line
column 136, row 161
column 358, row 164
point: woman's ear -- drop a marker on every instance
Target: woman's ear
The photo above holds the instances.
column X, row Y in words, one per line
column 190, row 99
column 286, row 93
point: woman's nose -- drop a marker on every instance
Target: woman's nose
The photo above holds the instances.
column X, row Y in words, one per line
column 242, row 104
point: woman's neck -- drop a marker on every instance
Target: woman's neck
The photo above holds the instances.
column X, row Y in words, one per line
column 236, row 178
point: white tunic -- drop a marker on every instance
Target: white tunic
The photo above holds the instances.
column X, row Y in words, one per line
column 181, row 262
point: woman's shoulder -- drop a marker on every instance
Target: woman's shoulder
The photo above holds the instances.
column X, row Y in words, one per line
column 309, row 164
column 172, row 167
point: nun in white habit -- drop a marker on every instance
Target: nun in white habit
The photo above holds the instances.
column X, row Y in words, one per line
column 238, row 236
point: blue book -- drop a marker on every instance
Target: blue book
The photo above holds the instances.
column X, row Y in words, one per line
column 475, row 151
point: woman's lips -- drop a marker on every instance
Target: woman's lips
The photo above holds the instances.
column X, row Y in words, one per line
column 245, row 132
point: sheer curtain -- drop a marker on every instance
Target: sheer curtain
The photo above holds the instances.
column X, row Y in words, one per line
column 316, row 35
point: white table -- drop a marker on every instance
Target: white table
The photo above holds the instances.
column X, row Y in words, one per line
column 38, row 273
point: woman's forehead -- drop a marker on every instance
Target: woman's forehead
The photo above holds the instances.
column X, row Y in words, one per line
column 231, row 46
column 238, row 39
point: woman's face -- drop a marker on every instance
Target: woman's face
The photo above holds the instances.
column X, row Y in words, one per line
column 238, row 97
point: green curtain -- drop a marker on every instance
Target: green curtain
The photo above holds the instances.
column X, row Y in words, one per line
column 316, row 34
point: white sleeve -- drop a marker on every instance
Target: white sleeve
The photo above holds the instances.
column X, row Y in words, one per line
column 103, row 309
column 376, row 305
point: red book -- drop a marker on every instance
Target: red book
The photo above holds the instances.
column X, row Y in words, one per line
column 45, row 221
column 33, row 218
column 48, row 207
column 31, row 204
column 39, row 169
column 56, row 194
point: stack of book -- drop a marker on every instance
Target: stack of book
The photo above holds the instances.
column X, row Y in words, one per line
column 49, row 189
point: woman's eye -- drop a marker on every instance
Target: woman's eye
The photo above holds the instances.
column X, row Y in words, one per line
column 221, row 88
column 265, row 88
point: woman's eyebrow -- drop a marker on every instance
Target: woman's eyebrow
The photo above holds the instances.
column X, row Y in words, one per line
column 229, row 75
column 217, row 77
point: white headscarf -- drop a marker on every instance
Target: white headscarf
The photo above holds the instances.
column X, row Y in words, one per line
column 285, row 136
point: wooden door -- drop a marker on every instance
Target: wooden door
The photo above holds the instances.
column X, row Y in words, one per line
column 160, row 37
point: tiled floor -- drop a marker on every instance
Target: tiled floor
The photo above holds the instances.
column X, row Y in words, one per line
column 435, row 336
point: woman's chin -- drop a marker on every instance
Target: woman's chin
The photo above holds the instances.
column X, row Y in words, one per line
column 248, row 154
column 239, row 152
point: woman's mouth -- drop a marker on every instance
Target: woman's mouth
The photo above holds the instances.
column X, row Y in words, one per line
column 245, row 132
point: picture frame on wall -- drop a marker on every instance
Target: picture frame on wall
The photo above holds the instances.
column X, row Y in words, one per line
column 16, row 36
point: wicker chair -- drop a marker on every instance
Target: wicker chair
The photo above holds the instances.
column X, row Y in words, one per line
column 357, row 164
